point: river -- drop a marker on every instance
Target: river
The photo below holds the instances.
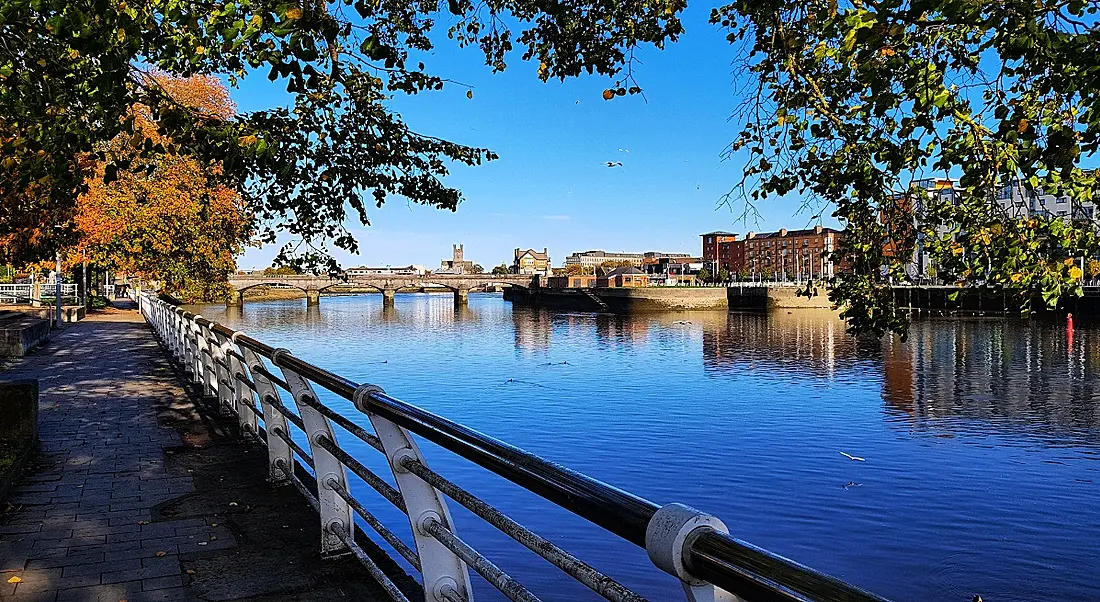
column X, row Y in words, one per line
column 979, row 438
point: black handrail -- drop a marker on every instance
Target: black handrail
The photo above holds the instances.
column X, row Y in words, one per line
column 736, row 566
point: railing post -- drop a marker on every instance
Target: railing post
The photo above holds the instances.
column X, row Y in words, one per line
column 224, row 373
column 280, row 459
column 182, row 347
column 335, row 513
column 665, row 538
column 246, row 413
column 445, row 574
column 194, row 349
column 209, row 380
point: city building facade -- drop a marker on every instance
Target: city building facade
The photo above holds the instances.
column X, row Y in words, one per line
column 723, row 251
column 531, row 262
column 798, row 254
column 593, row 259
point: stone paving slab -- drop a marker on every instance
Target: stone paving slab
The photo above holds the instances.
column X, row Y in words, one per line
column 110, row 510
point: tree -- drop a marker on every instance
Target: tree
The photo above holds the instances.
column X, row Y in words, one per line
column 620, row 263
column 854, row 101
column 168, row 217
column 501, row 270
column 280, row 271
column 723, row 275
column 743, row 272
column 1093, row 269
column 704, row 275
column 71, row 71
column 477, row 269
column 576, row 269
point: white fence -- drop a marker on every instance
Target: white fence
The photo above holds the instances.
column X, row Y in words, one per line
column 26, row 293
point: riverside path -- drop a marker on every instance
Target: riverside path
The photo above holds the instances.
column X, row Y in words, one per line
column 140, row 493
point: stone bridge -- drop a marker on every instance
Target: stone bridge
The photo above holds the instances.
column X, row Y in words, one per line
column 387, row 284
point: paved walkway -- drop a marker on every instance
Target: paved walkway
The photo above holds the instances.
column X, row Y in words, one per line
column 139, row 496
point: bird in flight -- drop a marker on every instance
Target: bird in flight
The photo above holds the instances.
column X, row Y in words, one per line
column 614, row 163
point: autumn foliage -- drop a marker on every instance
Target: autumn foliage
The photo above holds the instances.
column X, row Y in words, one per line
column 170, row 219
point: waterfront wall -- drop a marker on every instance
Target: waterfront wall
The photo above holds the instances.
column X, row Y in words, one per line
column 673, row 298
column 622, row 299
column 767, row 298
column 664, row 299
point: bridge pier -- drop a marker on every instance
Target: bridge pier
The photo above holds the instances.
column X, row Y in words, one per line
column 387, row 296
column 313, row 298
column 462, row 296
column 234, row 299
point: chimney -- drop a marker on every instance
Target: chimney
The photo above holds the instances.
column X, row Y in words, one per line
column 782, row 231
column 751, row 234
column 817, row 229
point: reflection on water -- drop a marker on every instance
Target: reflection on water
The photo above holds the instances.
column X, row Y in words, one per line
column 1025, row 377
column 979, row 436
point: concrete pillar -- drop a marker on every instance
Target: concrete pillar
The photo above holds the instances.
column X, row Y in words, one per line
column 387, row 297
column 462, row 296
column 234, row 299
column 313, row 298
column 36, row 293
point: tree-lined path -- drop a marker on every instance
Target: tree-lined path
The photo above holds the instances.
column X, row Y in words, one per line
column 139, row 495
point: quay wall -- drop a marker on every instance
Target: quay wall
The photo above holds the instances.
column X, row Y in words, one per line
column 622, row 299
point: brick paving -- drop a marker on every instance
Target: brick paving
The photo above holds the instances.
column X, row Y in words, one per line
column 142, row 493
column 80, row 526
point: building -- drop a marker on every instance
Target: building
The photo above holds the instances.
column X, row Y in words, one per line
column 723, row 251
column 1013, row 198
column 593, row 259
column 573, row 281
column 791, row 254
column 409, row 270
column 457, row 264
column 712, row 242
column 531, row 262
column 623, row 277
column 672, row 271
column 1019, row 202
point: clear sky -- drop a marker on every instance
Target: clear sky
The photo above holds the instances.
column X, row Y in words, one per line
column 551, row 186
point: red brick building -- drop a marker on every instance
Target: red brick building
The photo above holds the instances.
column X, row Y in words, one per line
column 796, row 253
column 722, row 250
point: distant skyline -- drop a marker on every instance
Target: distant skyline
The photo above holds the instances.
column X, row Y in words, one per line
column 552, row 186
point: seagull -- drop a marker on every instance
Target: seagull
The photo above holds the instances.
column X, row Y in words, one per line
column 614, row 163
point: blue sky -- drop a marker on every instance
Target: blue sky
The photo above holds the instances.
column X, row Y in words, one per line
column 551, row 186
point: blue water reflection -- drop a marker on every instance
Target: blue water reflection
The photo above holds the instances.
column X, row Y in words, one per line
column 979, row 438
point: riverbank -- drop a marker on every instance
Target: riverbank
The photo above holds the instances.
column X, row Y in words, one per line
column 142, row 492
column 657, row 299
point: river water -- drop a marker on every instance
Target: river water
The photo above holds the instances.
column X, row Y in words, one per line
column 980, row 438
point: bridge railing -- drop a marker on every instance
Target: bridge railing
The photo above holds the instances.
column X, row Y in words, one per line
column 273, row 395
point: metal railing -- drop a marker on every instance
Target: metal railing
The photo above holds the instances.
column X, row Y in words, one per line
column 29, row 293
column 240, row 373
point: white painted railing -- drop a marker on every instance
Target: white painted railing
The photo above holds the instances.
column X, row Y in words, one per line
column 28, row 293
column 250, row 379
